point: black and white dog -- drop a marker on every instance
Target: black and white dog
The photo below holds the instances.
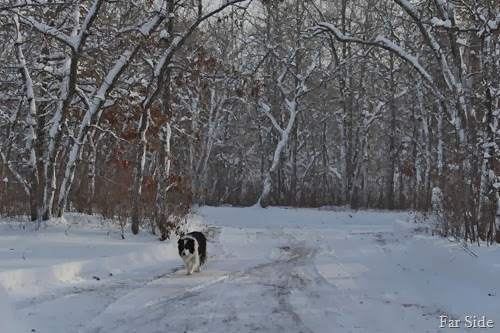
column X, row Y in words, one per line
column 193, row 250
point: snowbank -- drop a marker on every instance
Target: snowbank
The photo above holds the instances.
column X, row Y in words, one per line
column 7, row 321
column 31, row 281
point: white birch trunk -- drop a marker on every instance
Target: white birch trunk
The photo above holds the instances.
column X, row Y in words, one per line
column 140, row 163
column 163, row 175
column 164, row 158
column 30, row 117
column 76, row 41
column 365, row 175
column 92, row 172
column 195, row 113
column 427, row 144
column 439, row 142
column 284, row 134
column 344, row 185
column 215, row 119
column 299, row 89
column 55, row 133
column 276, row 157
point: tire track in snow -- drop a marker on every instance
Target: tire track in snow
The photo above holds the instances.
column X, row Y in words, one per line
column 97, row 288
column 181, row 292
column 214, row 297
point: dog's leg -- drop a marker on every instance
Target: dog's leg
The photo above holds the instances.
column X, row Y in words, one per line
column 189, row 267
column 197, row 267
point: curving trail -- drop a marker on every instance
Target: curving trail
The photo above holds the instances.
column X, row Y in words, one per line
column 280, row 270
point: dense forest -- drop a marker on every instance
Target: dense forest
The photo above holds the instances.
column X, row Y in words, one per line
column 139, row 109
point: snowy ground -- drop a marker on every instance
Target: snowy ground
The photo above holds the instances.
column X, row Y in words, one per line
column 269, row 270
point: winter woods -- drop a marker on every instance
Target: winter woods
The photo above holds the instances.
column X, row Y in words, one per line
column 139, row 109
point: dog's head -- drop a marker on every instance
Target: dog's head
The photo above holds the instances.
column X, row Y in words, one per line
column 186, row 247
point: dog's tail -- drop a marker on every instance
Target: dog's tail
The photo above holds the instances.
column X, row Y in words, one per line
column 203, row 249
column 202, row 245
column 203, row 257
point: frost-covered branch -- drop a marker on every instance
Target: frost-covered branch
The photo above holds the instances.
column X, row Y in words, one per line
column 48, row 30
column 267, row 111
column 31, row 118
column 431, row 41
column 30, row 94
column 13, row 171
column 175, row 45
column 290, row 99
column 387, row 44
column 97, row 102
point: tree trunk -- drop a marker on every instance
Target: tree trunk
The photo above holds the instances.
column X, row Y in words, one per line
column 488, row 193
column 284, row 135
column 266, row 189
column 139, row 174
column 31, row 118
column 392, row 138
column 164, row 158
column 67, row 91
column 91, row 173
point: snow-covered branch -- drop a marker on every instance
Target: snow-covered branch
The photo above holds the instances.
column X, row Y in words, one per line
column 267, row 111
column 385, row 43
column 431, row 41
column 98, row 101
column 45, row 29
column 87, row 23
column 30, row 94
column 14, row 172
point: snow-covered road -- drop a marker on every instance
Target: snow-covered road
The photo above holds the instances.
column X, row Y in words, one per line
column 275, row 270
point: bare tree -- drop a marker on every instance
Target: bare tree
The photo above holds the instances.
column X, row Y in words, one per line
column 156, row 86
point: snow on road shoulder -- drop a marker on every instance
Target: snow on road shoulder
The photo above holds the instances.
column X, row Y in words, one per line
column 28, row 282
column 76, row 252
column 8, row 323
